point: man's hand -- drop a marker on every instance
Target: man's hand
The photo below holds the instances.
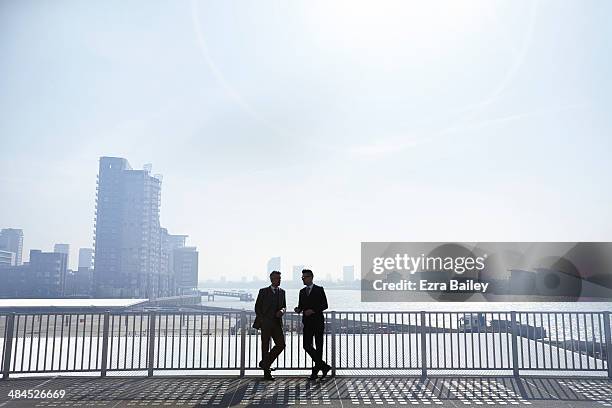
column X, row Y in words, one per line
column 280, row 313
column 308, row 312
column 297, row 310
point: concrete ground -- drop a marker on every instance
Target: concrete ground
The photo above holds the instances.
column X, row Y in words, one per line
column 451, row 391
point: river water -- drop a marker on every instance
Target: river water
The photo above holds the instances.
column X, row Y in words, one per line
column 350, row 300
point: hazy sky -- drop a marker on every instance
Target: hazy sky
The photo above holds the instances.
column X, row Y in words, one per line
column 300, row 129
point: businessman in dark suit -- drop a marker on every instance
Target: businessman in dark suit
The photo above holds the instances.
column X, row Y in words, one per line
column 311, row 304
column 270, row 307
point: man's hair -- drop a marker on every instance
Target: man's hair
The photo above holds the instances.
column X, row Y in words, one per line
column 275, row 273
column 307, row 272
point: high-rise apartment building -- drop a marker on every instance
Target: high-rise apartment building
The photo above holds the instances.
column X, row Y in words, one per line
column 186, row 268
column 127, row 231
column 47, row 273
column 348, row 273
column 7, row 258
column 86, row 258
column 11, row 240
column 63, row 249
column 297, row 273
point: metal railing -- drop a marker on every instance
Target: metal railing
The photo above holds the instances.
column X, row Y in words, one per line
column 224, row 340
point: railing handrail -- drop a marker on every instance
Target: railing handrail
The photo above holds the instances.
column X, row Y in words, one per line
column 530, row 340
column 387, row 311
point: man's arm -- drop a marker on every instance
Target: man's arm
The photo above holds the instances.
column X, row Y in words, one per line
column 282, row 305
column 259, row 304
column 323, row 302
column 299, row 307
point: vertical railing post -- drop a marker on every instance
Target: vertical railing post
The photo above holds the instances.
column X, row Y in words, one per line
column 8, row 345
column 105, row 335
column 151, row 351
column 243, row 333
column 514, row 329
column 423, row 346
column 608, row 342
column 333, row 344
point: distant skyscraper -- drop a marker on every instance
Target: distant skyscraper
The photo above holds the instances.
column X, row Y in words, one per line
column 177, row 241
column 274, row 264
column 48, row 273
column 86, row 258
column 348, row 273
column 186, row 268
column 165, row 279
column 127, row 231
column 63, row 249
column 297, row 273
column 168, row 277
column 11, row 240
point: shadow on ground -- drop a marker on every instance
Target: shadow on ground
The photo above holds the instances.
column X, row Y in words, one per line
column 294, row 391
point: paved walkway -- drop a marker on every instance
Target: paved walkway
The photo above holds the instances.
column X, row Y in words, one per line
column 294, row 391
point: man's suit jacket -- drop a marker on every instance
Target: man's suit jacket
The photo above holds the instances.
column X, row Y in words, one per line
column 266, row 306
column 317, row 301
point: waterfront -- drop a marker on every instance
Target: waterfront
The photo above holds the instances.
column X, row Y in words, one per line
column 350, row 300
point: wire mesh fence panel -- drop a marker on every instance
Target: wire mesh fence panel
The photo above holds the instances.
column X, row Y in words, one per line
column 353, row 340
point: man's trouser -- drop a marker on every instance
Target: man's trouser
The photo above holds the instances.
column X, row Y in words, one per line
column 315, row 329
column 275, row 331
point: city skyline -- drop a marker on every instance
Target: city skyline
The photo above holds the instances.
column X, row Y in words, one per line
column 85, row 260
column 304, row 129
